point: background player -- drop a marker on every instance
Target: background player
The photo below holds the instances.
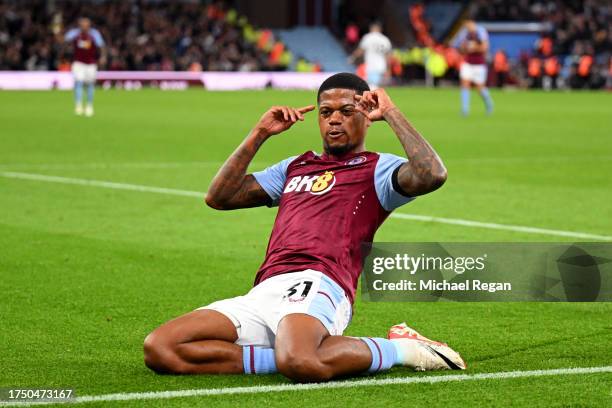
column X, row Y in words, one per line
column 88, row 46
column 473, row 42
column 375, row 47
column 293, row 319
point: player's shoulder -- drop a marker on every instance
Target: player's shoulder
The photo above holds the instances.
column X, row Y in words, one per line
column 461, row 34
column 388, row 162
column 95, row 33
column 73, row 31
column 389, row 157
column 482, row 32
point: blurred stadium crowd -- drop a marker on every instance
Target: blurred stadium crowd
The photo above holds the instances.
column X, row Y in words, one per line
column 575, row 51
column 139, row 36
column 578, row 47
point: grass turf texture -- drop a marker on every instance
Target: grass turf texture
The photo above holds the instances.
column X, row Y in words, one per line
column 87, row 272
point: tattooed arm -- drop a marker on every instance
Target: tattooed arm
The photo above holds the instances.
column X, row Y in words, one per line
column 232, row 188
column 424, row 172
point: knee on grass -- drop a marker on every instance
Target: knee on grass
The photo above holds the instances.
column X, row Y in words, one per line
column 159, row 355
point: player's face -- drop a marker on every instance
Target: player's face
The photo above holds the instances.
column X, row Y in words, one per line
column 84, row 24
column 343, row 127
column 471, row 26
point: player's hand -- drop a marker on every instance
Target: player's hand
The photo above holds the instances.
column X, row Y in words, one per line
column 374, row 104
column 280, row 118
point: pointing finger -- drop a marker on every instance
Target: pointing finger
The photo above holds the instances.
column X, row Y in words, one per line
column 306, row 109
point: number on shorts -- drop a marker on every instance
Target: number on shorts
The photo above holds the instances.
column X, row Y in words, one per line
column 293, row 290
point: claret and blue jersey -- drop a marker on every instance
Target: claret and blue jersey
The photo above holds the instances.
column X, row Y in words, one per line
column 327, row 209
column 479, row 36
column 86, row 44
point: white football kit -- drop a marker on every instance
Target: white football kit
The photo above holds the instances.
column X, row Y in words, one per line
column 376, row 46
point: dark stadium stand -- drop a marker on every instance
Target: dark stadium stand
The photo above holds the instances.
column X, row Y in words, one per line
column 161, row 35
column 212, row 36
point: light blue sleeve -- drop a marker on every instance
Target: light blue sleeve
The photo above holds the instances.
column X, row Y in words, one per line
column 483, row 34
column 272, row 179
column 389, row 198
column 460, row 38
column 97, row 37
column 71, row 34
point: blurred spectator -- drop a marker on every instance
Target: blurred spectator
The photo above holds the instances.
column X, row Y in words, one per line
column 581, row 34
column 534, row 72
column 141, row 35
column 581, row 73
column 551, row 73
column 501, row 68
column 544, row 45
column 351, row 36
column 420, row 25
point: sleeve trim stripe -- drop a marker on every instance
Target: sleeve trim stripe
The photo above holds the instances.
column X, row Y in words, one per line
column 398, row 189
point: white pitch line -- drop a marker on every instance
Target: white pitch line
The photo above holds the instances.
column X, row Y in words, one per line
column 506, row 227
column 413, row 217
column 97, row 166
column 370, row 382
column 99, row 183
column 82, row 166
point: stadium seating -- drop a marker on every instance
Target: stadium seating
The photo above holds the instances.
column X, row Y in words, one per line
column 328, row 51
column 444, row 14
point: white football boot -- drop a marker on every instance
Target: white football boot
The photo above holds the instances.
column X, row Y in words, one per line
column 78, row 109
column 423, row 354
column 89, row 111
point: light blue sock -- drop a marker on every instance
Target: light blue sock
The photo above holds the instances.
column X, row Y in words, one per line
column 78, row 91
column 258, row 360
column 488, row 101
column 465, row 101
column 90, row 93
column 384, row 353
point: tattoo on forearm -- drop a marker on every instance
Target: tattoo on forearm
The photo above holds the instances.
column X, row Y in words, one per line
column 231, row 187
column 424, row 171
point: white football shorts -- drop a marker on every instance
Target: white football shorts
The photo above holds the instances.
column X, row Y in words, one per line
column 257, row 314
column 374, row 77
column 84, row 72
column 473, row 73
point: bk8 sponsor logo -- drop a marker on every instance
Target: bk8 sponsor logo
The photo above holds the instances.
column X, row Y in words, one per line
column 317, row 185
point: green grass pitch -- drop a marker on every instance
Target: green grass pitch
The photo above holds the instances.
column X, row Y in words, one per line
column 86, row 272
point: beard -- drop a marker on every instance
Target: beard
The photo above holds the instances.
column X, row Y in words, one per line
column 338, row 150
